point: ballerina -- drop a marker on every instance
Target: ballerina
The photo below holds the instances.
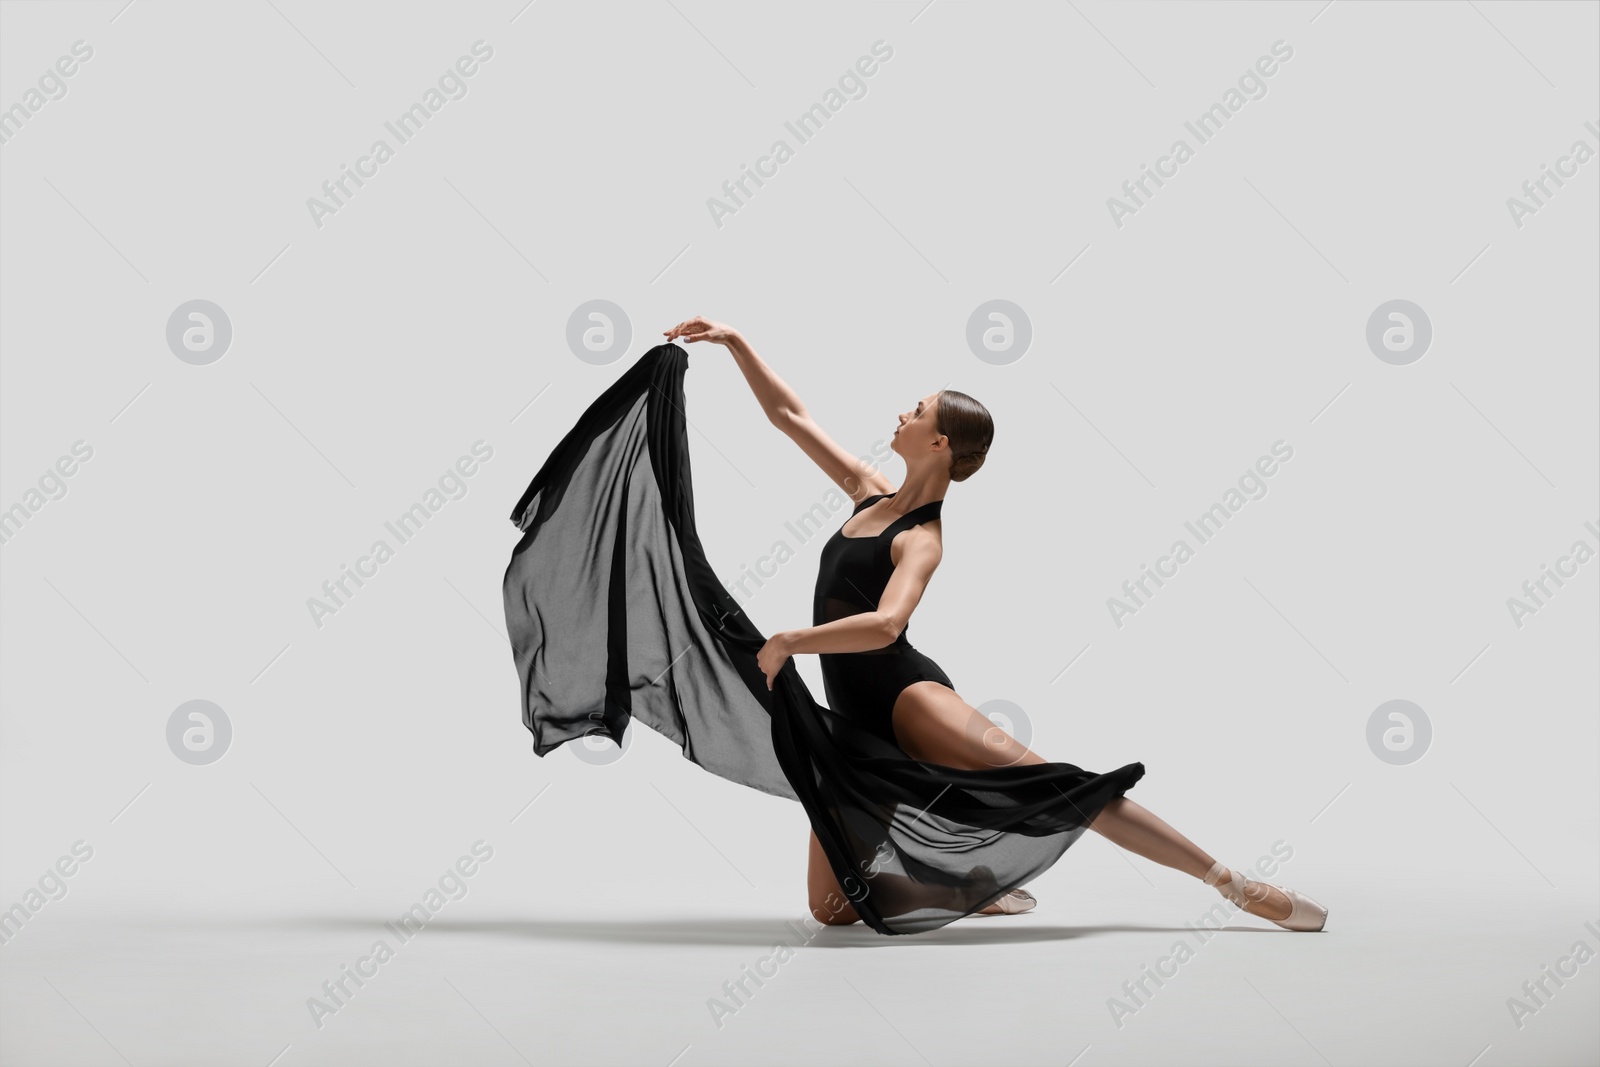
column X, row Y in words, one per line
column 873, row 573
column 922, row 810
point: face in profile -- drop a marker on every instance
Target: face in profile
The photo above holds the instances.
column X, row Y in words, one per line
column 918, row 429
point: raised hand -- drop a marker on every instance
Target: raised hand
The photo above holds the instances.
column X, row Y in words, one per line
column 700, row 328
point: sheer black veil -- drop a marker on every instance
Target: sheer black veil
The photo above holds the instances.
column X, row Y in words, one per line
column 615, row 614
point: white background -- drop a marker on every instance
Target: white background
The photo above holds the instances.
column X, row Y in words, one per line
column 1169, row 353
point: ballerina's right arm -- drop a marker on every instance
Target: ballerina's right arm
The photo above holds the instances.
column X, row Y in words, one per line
column 784, row 410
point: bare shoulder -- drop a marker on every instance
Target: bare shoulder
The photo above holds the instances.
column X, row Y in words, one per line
column 922, row 545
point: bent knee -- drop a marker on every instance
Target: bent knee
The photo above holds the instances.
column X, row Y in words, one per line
column 828, row 913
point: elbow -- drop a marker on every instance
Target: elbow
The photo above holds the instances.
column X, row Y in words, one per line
column 786, row 419
column 889, row 629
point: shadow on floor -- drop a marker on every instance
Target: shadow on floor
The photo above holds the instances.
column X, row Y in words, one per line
column 997, row 930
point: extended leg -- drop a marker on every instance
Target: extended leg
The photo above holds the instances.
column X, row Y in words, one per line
column 1129, row 825
column 933, row 724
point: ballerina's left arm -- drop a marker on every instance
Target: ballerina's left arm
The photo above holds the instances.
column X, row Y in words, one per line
column 919, row 554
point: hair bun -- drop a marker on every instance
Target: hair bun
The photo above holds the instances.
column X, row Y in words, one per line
column 969, row 427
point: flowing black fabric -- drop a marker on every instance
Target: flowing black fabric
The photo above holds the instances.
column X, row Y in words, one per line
column 615, row 614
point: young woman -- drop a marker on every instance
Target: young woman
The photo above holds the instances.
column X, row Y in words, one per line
column 922, row 810
column 866, row 594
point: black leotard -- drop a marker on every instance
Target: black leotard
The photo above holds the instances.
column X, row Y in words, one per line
column 850, row 579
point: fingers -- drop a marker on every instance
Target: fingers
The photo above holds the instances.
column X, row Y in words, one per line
column 688, row 327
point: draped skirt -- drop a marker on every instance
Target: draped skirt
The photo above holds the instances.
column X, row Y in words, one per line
column 615, row 614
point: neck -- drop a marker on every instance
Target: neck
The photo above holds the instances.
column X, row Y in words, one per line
column 920, row 488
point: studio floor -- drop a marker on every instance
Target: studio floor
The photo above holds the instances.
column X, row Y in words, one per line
column 1395, row 979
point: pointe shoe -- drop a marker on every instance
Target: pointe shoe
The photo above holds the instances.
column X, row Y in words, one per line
column 1013, row 903
column 1305, row 914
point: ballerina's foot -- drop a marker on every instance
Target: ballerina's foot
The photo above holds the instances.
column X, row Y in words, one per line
column 1013, row 903
column 1286, row 907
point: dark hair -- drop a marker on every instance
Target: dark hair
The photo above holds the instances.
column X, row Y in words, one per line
column 970, row 429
